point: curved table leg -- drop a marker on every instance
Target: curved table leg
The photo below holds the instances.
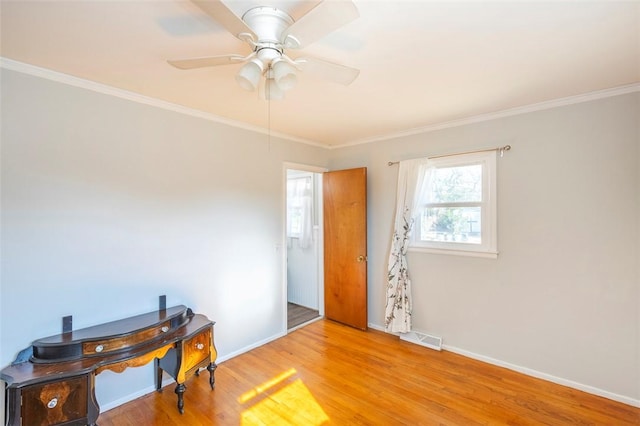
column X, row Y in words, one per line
column 212, row 380
column 180, row 388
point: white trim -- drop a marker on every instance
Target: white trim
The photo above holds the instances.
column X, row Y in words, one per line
column 141, row 99
column 488, row 207
column 149, row 389
column 554, row 103
column 13, row 65
column 250, row 347
column 304, row 324
column 130, row 397
column 304, row 167
column 470, row 253
column 544, row 376
column 532, row 373
column 524, row 370
column 320, row 240
column 380, row 328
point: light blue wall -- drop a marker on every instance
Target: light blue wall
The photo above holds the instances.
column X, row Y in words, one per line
column 107, row 204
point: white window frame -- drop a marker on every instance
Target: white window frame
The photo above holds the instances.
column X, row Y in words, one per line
column 488, row 208
column 307, row 177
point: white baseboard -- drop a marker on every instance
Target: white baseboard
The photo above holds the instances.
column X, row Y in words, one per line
column 544, row 376
column 166, row 381
column 379, row 328
column 534, row 373
column 250, row 347
column 135, row 395
column 304, row 324
column 524, row 370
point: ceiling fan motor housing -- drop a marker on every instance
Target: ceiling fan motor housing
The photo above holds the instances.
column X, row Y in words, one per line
column 268, row 23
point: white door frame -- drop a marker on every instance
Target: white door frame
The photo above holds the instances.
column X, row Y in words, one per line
column 320, row 272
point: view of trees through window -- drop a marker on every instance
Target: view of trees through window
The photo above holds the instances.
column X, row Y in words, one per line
column 453, row 207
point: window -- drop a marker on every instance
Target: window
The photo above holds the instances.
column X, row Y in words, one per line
column 298, row 193
column 457, row 208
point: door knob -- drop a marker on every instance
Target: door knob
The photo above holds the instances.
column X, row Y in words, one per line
column 361, row 258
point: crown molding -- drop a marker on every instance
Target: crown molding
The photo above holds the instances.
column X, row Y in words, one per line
column 70, row 80
column 554, row 103
column 48, row 74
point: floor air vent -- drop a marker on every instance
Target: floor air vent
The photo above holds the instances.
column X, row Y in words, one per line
column 423, row 339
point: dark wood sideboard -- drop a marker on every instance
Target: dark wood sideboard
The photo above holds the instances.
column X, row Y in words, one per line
column 53, row 381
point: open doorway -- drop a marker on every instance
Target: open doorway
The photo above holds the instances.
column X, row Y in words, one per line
column 304, row 245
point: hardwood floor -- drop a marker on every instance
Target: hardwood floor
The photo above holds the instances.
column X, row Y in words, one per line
column 327, row 373
column 297, row 315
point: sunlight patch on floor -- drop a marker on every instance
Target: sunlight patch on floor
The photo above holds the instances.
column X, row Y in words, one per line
column 283, row 400
column 266, row 385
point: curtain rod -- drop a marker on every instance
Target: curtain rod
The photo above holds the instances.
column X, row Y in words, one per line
column 502, row 149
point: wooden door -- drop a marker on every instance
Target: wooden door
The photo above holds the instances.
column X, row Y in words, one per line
column 345, row 246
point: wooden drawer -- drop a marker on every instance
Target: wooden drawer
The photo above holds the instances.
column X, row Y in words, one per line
column 197, row 349
column 53, row 403
column 123, row 342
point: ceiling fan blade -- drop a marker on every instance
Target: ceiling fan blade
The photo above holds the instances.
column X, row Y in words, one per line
column 209, row 61
column 337, row 73
column 326, row 17
column 301, row 8
column 225, row 17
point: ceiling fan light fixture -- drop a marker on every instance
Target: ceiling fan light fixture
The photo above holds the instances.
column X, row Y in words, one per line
column 269, row 32
column 249, row 75
column 284, row 74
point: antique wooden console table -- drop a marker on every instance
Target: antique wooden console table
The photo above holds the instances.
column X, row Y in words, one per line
column 52, row 382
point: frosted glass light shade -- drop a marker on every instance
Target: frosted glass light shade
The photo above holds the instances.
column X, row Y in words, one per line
column 249, row 75
column 284, row 74
column 272, row 92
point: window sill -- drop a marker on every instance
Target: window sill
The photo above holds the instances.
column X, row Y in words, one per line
column 481, row 254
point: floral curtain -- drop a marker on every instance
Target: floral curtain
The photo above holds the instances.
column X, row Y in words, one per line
column 411, row 179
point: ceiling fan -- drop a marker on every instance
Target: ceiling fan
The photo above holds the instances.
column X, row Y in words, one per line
column 270, row 32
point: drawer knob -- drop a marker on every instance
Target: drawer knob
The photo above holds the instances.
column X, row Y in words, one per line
column 164, row 329
column 99, row 348
column 52, row 403
column 199, row 346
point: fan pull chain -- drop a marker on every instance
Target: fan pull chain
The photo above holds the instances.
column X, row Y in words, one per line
column 268, row 88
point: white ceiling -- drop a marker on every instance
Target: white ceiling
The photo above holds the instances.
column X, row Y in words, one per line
column 422, row 63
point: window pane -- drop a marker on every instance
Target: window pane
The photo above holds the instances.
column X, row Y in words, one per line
column 456, row 184
column 295, row 222
column 297, row 188
column 451, row 224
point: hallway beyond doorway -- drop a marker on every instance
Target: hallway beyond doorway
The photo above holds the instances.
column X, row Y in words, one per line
column 297, row 315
